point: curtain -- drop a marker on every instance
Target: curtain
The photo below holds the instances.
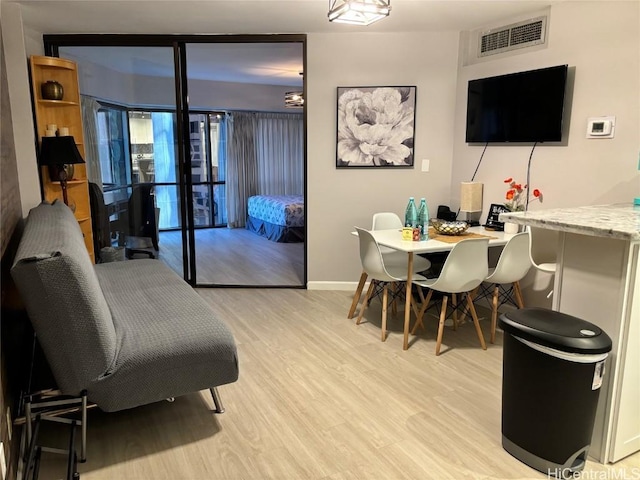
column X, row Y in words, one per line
column 89, row 107
column 164, row 164
column 264, row 157
column 241, row 166
column 280, row 153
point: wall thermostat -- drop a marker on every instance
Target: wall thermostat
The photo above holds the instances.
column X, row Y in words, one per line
column 601, row 127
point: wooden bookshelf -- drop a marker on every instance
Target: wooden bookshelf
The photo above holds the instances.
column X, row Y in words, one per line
column 64, row 113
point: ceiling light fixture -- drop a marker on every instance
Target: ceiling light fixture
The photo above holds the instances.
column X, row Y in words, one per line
column 358, row 12
column 293, row 99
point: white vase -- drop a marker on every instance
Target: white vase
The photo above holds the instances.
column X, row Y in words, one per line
column 510, row 227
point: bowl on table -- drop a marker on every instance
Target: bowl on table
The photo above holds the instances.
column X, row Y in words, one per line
column 444, row 227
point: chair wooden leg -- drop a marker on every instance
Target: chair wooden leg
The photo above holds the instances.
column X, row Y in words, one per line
column 365, row 302
column 357, row 294
column 394, row 303
column 494, row 313
column 421, row 295
column 385, row 300
column 454, row 303
column 516, row 288
column 476, row 322
column 443, row 314
column 414, row 305
column 420, row 314
column 466, row 309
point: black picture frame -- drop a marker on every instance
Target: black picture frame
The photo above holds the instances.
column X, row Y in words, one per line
column 492, row 218
column 375, row 127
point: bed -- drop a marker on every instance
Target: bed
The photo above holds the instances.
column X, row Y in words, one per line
column 280, row 218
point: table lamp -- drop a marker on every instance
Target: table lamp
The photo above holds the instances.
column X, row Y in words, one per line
column 59, row 154
column 471, row 199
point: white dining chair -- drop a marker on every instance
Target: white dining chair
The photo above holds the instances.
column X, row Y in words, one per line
column 380, row 274
column 392, row 258
column 464, row 270
column 389, row 221
column 542, row 249
column 512, row 266
column 543, row 245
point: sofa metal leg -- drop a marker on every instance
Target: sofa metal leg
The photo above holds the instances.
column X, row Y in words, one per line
column 216, row 400
column 83, row 434
column 28, row 424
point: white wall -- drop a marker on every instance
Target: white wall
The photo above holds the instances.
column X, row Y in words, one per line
column 600, row 41
column 338, row 199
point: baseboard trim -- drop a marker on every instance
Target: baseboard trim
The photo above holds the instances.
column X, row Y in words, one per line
column 332, row 285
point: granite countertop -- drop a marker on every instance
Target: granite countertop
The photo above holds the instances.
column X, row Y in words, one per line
column 620, row 220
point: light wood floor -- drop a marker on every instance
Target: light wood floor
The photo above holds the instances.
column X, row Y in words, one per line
column 321, row 398
column 237, row 257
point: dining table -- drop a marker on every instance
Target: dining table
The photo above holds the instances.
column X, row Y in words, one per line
column 436, row 243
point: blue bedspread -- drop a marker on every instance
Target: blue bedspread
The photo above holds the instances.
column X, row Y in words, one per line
column 285, row 210
column 279, row 218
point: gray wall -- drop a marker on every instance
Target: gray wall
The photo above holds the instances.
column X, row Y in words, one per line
column 9, row 186
column 342, row 198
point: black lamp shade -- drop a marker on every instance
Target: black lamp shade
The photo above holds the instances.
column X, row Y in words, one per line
column 57, row 151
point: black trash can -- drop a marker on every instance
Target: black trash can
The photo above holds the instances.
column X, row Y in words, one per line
column 553, row 366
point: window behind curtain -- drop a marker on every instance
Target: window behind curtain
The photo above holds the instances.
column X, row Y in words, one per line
column 112, row 147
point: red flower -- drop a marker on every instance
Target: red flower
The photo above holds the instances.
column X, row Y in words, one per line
column 517, row 194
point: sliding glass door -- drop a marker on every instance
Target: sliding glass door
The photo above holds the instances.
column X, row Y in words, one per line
column 163, row 110
column 245, row 145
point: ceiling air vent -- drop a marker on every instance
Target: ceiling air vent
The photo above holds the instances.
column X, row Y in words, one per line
column 510, row 37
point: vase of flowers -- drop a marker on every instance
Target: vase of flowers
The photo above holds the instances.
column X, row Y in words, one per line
column 518, row 194
column 517, row 199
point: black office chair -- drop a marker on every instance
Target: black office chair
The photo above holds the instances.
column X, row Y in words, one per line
column 140, row 219
column 99, row 221
column 445, row 213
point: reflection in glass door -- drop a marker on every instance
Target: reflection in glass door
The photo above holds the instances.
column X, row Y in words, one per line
column 131, row 149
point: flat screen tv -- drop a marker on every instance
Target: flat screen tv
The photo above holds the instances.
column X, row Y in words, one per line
column 519, row 107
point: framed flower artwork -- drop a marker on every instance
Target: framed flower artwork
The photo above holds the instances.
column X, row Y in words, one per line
column 375, row 127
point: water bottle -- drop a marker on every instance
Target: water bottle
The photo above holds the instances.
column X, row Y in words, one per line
column 411, row 214
column 423, row 219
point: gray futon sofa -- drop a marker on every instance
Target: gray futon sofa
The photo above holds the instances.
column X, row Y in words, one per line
column 126, row 333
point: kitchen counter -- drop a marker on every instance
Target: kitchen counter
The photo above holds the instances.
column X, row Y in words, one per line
column 621, row 221
column 598, row 279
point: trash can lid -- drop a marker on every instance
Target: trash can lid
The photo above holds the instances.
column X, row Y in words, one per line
column 556, row 330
